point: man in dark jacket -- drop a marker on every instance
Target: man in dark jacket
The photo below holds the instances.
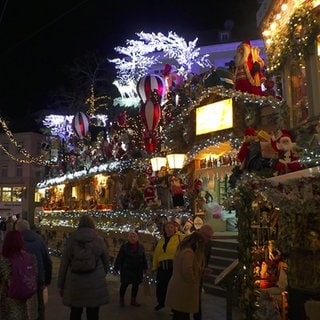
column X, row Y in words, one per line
column 34, row 244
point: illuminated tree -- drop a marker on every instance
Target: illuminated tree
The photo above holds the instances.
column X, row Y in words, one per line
column 143, row 53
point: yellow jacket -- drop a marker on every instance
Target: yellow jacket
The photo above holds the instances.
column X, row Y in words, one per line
column 159, row 254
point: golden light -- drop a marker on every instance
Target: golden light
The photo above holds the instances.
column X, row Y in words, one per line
column 273, row 26
column 74, row 192
column 176, row 160
column 158, row 162
column 266, row 33
column 215, row 116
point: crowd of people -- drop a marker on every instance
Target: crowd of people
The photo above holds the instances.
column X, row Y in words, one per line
column 178, row 263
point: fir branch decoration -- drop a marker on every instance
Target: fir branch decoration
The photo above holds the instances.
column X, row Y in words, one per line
column 295, row 42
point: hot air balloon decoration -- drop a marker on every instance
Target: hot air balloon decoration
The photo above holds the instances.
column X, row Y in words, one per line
column 80, row 124
column 150, row 113
column 151, row 90
column 146, row 86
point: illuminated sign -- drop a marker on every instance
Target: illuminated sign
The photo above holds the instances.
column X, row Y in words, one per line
column 214, row 117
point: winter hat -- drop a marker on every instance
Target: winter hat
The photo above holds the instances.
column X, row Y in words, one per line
column 247, row 43
column 250, row 132
column 284, row 133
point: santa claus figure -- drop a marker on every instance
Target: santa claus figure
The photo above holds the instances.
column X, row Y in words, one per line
column 177, row 189
column 288, row 160
column 171, row 77
column 249, row 65
column 149, row 193
column 250, row 138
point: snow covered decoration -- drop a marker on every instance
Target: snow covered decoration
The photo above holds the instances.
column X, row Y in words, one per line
column 142, row 54
column 80, row 124
column 61, row 125
column 126, row 90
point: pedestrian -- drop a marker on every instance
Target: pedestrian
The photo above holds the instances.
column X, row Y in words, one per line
column 9, row 223
column 82, row 271
column 162, row 260
column 34, row 244
column 132, row 263
column 2, row 228
column 183, row 292
column 207, row 251
column 11, row 308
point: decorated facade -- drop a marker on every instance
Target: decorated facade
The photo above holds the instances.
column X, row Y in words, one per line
column 266, row 133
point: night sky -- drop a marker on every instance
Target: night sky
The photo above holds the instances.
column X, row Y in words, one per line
column 40, row 38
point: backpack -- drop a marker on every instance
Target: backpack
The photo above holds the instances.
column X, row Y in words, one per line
column 23, row 282
column 83, row 258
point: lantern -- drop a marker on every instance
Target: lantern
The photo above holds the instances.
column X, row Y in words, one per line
column 80, row 124
column 150, row 113
column 147, row 84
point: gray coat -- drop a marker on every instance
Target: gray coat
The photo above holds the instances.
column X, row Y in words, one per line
column 84, row 289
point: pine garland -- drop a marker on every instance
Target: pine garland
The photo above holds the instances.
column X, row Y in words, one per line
column 298, row 230
column 296, row 41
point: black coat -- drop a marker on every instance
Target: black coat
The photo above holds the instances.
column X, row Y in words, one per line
column 131, row 262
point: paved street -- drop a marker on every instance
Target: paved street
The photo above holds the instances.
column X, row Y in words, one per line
column 214, row 308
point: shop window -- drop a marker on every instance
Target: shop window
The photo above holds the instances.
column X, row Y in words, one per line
column 6, row 194
column 300, row 110
column 17, row 193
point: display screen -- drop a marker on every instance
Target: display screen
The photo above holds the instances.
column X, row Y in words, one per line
column 214, row 117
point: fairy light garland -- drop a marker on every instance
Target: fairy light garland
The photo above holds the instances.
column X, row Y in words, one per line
column 30, row 159
column 295, row 41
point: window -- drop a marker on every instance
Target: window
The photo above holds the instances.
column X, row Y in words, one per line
column 17, row 193
column 11, row 194
column 4, row 171
column 224, row 36
column 19, row 170
column 300, row 107
column 6, row 194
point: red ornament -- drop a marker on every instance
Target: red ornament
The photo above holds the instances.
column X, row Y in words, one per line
column 147, row 84
column 150, row 144
column 150, row 113
column 122, row 119
column 80, row 124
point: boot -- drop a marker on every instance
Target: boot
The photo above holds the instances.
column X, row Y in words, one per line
column 121, row 302
column 135, row 303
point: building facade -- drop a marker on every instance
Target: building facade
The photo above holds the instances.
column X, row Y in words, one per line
column 20, row 170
